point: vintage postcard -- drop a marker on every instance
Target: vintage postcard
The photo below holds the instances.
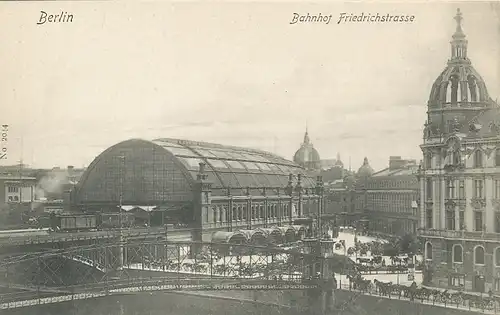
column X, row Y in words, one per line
column 189, row 158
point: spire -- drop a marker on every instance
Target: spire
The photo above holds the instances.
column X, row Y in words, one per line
column 458, row 43
column 306, row 136
column 459, row 19
column 365, row 161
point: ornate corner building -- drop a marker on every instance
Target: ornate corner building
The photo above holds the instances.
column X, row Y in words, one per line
column 460, row 178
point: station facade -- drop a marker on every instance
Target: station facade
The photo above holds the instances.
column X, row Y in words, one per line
column 222, row 192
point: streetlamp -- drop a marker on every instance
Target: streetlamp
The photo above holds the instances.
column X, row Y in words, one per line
column 120, row 230
column 319, row 191
column 289, row 192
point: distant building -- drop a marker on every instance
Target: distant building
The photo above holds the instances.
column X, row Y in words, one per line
column 17, row 189
column 307, row 156
column 388, row 198
column 340, row 197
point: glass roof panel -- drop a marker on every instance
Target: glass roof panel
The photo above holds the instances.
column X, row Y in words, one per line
column 250, row 165
column 221, row 154
column 217, row 163
column 275, row 168
column 264, row 167
column 235, row 164
column 206, row 153
column 275, row 180
column 191, row 163
column 246, row 180
column 229, row 180
column 181, row 151
column 164, row 143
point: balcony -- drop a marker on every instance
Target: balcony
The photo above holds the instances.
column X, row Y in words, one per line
column 450, row 234
column 460, row 167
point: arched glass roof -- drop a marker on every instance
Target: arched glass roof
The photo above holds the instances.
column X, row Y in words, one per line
column 234, row 167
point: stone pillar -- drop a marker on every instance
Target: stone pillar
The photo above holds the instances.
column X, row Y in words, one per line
column 489, row 194
column 202, row 206
column 422, row 204
column 320, row 299
column 468, row 215
column 440, row 203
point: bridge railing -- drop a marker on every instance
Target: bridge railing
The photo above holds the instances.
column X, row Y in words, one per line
column 482, row 304
column 44, row 295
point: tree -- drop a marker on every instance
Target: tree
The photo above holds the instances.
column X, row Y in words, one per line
column 408, row 244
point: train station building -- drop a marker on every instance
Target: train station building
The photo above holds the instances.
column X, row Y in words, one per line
column 230, row 193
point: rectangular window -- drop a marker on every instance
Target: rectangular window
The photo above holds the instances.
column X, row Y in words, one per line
column 450, row 220
column 461, row 219
column 428, row 161
column 13, row 189
column 429, row 218
column 461, row 189
column 497, row 222
column 429, row 188
column 457, row 281
column 478, row 221
column 450, row 189
column 478, row 189
column 497, row 189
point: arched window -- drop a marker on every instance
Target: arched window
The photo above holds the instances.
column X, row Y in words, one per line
column 428, row 251
column 497, row 257
column 478, row 159
column 221, row 214
column 458, row 253
column 215, row 214
column 479, row 255
column 497, row 157
column 235, row 214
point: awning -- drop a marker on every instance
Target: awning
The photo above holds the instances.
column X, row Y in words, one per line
column 225, row 237
column 143, row 208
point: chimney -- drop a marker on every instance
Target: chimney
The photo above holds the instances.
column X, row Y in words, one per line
column 395, row 162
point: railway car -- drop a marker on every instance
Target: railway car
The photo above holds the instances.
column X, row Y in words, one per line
column 112, row 220
column 74, row 222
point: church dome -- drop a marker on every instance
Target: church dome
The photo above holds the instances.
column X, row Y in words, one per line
column 307, row 156
column 365, row 170
column 459, row 85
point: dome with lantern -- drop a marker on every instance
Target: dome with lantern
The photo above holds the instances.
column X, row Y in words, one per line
column 307, row 156
column 459, row 101
column 459, row 84
column 365, row 170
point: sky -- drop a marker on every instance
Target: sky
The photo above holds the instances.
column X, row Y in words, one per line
column 231, row 73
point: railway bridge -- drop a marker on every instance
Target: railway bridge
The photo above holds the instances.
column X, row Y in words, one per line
column 302, row 276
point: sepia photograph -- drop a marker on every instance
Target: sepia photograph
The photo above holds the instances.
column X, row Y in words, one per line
column 249, row 157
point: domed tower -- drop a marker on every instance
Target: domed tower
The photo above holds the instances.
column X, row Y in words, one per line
column 458, row 186
column 459, row 93
column 338, row 161
column 307, row 156
column 365, row 170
